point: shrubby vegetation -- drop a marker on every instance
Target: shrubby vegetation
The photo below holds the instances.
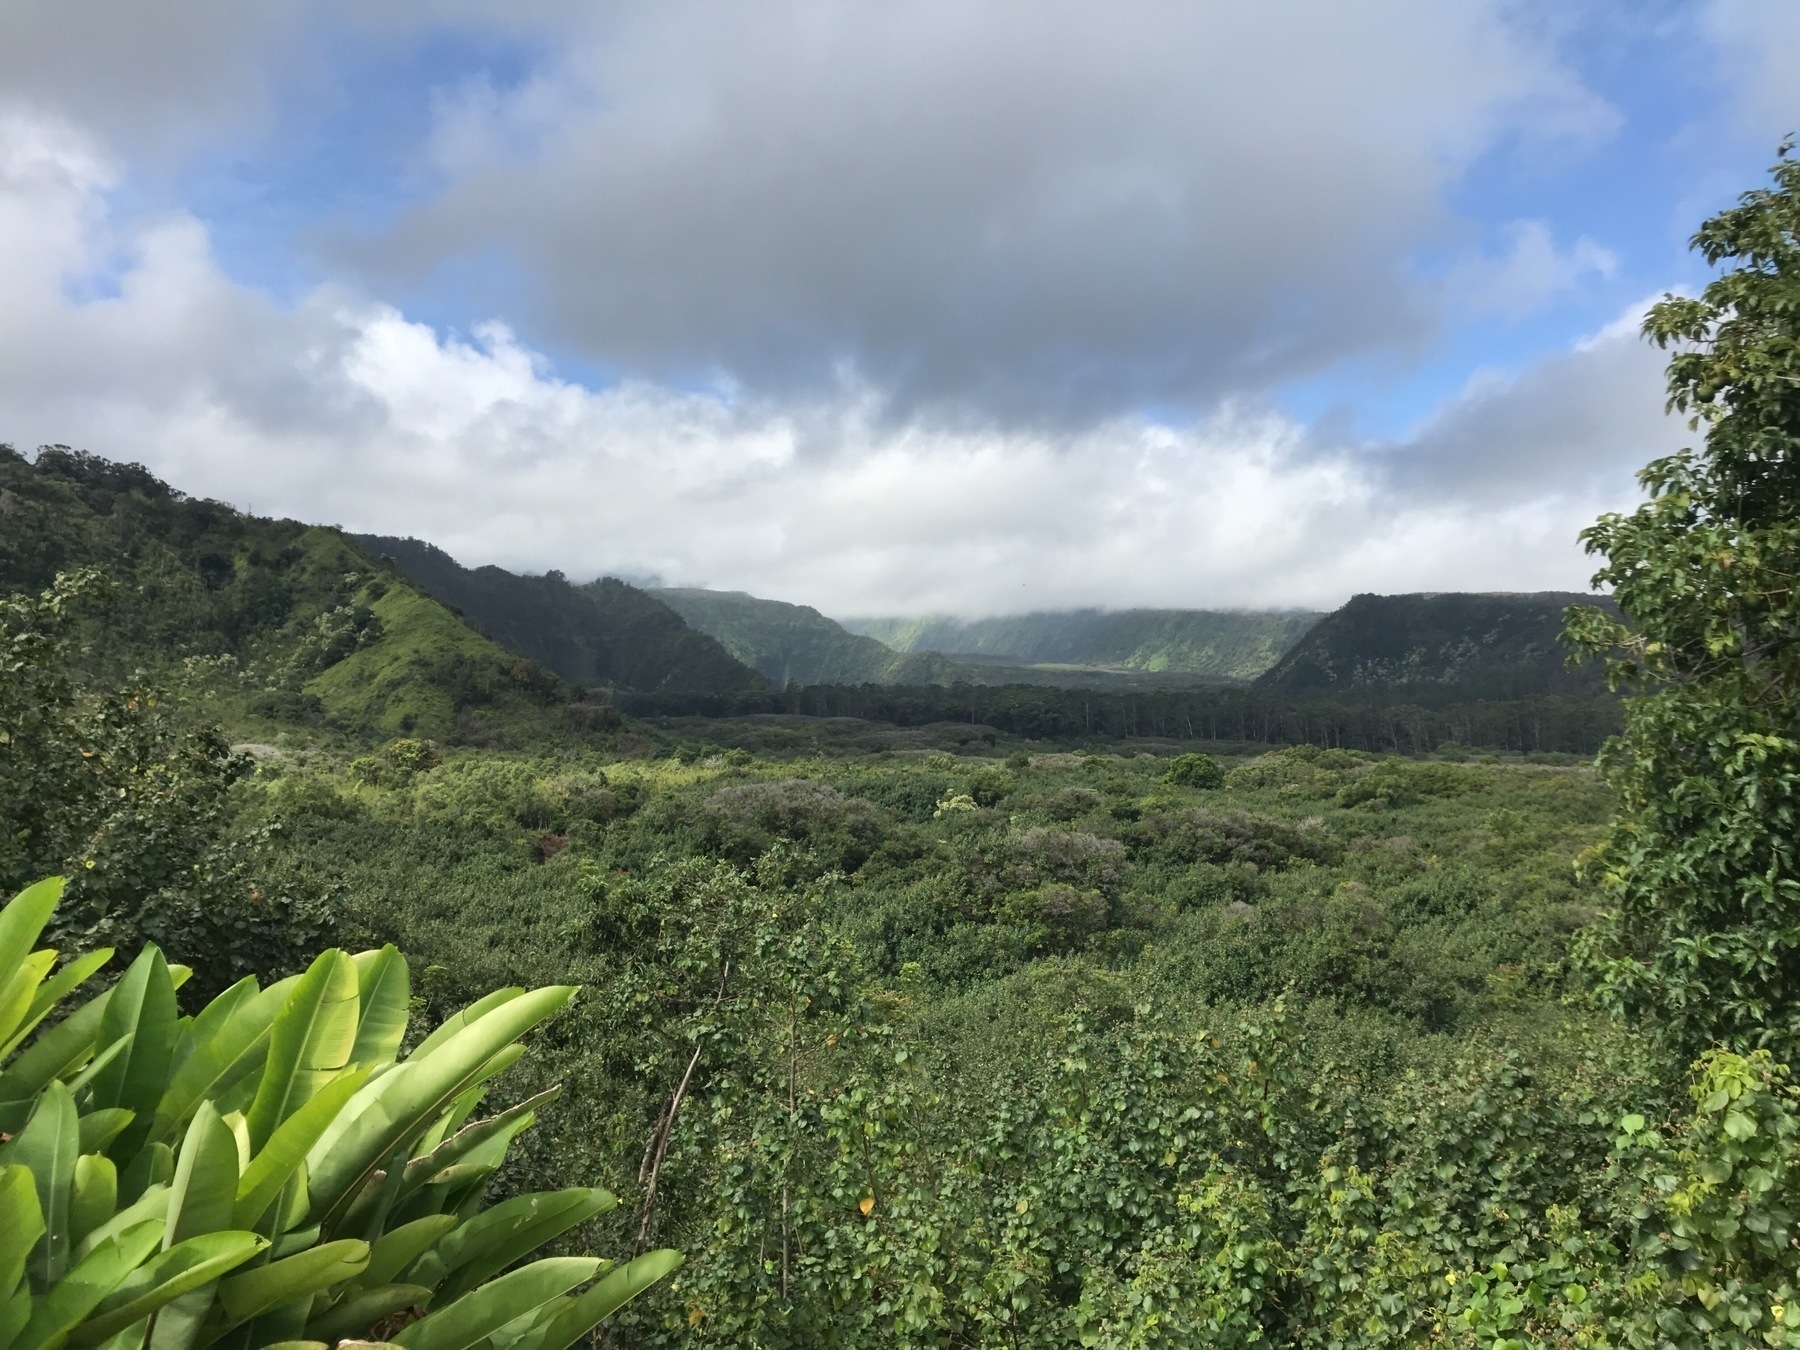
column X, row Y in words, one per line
column 987, row 1033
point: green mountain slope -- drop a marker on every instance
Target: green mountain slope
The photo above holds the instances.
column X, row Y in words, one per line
column 256, row 618
column 796, row 643
column 604, row 633
column 1212, row 644
column 1433, row 648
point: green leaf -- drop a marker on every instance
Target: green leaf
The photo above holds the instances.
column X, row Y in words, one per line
column 286, row 1150
column 1739, row 1126
column 59, row 987
column 23, row 919
column 612, row 1292
column 465, row 1017
column 143, row 1007
column 395, row 1251
column 384, row 988
column 255, row 1291
column 309, row 1045
column 49, row 1145
column 497, row 1237
column 19, row 993
column 97, row 1274
column 364, row 1307
column 152, row 1204
column 204, row 1189
column 406, row 1098
column 179, row 1270
column 57, row 1051
column 21, row 1223
column 94, row 1197
column 474, row 1316
column 420, row 1170
column 100, row 1128
column 232, row 1047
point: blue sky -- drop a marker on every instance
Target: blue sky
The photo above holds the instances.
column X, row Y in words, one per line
column 910, row 308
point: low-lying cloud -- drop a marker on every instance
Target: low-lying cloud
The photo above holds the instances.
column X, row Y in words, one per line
column 133, row 343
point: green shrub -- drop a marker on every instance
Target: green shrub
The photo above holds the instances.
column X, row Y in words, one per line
column 1196, row 771
column 270, row 1170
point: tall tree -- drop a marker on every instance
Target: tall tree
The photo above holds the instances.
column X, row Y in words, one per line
column 1703, row 868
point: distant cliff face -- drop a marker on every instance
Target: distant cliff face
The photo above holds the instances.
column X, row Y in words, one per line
column 1433, row 648
column 797, row 644
column 1223, row 645
column 603, row 633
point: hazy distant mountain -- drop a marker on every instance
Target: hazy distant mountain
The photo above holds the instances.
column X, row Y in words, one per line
column 603, row 633
column 796, row 643
column 1430, row 648
column 1206, row 644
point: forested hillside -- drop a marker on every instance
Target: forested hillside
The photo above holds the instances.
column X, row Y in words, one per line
column 259, row 618
column 602, row 633
column 1211, row 644
column 797, row 644
column 1435, row 649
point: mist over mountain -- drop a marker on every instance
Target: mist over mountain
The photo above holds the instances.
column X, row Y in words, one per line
column 1220, row 645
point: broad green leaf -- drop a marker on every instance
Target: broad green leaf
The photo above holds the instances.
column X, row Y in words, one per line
column 15, row 1312
column 309, row 1044
column 99, row 1064
column 421, row 1169
column 94, row 1197
column 608, row 1295
column 19, row 993
column 143, row 1007
column 23, row 919
column 49, row 1145
column 384, row 990
column 234, row 1046
column 97, row 1274
column 474, row 1316
column 204, row 1189
column 154, row 1165
column 286, row 1150
column 21, row 1223
column 462, row 1018
column 179, row 1270
column 57, row 1051
column 152, row 1204
column 244, row 1296
column 394, row 1252
column 406, row 1099
column 497, row 1237
column 58, row 987
column 364, row 1307
column 210, row 1020
column 100, row 1128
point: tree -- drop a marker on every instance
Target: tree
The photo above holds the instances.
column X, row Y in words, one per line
column 1702, row 871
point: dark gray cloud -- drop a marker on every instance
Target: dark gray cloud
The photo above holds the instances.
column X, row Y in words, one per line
column 1020, row 210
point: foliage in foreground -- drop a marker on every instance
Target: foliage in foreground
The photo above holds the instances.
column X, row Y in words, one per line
column 1702, row 869
column 270, row 1170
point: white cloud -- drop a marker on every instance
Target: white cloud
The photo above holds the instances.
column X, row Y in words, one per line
column 342, row 409
column 1531, row 273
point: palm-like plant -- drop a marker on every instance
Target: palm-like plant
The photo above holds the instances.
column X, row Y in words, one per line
column 270, row 1170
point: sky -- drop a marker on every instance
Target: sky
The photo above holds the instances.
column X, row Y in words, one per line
column 933, row 306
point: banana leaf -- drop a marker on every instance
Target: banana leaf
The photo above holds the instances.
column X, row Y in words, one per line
column 392, row 1253
column 100, row 1128
column 21, row 1224
column 593, row 1306
column 49, row 1145
column 474, row 1316
column 384, row 987
column 285, row 1152
column 22, row 919
column 142, row 1006
column 54, row 991
column 300, row 1276
column 406, row 1100
column 309, row 1044
column 497, row 1237
column 204, row 1188
column 94, row 1197
column 73, row 1297
column 365, row 1307
column 180, row 1270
